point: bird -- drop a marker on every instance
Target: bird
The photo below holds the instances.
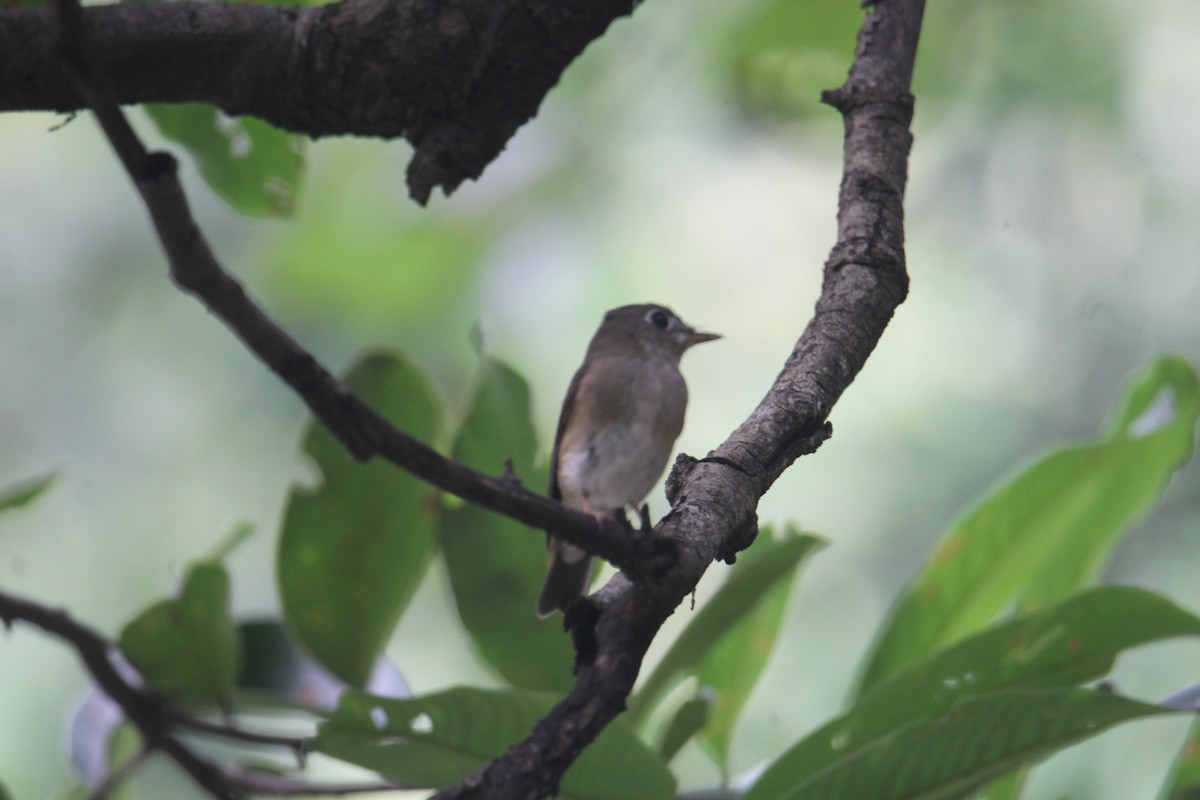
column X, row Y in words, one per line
column 622, row 413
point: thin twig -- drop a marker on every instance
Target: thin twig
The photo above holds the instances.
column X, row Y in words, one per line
column 300, row 745
column 266, row 783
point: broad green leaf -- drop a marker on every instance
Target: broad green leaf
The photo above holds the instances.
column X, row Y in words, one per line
column 353, row 550
column 252, row 165
column 765, row 564
column 1008, row 787
column 441, row 738
column 1183, row 783
column 1155, row 430
column 1046, row 531
column 19, row 494
column 496, row 565
column 1057, row 647
column 687, row 721
column 187, row 647
column 981, row 738
column 729, row 671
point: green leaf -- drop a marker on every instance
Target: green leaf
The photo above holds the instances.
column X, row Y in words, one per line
column 1049, row 529
column 1183, row 782
column 1008, row 787
column 1155, row 430
column 688, row 720
column 979, row 739
column 187, row 647
column 496, row 565
column 19, row 494
column 761, row 567
column 441, row 738
column 732, row 666
column 1075, row 641
column 252, row 165
column 353, row 550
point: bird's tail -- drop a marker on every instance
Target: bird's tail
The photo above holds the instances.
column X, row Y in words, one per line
column 567, row 578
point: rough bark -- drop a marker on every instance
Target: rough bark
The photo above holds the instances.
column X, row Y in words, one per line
column 457, row 78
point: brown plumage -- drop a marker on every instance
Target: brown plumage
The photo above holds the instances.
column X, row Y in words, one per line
column 619, row 421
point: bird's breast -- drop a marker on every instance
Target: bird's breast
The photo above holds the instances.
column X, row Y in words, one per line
column 621, row 436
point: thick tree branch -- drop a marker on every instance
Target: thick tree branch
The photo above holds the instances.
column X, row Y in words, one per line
column 457, row 79
column 714, row 499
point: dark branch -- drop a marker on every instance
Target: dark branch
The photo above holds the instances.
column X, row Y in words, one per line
column 266, row 783
column 457, row 79
column 298, row 745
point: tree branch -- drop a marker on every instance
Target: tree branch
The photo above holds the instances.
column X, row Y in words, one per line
column 457, row 79
column 154, row 719
column 298, row 745
column 141, row 709
column 714, row 499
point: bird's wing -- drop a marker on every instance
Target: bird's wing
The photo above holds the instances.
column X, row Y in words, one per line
column 564, row 417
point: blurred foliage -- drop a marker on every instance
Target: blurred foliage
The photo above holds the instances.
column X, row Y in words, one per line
column 1184, row 781
column 783, row 53
column 352, row 551
column 726, row 644
column 496, row 565
column 993, row 697
column 983, row 736
column 357, row 254
column 1013, row 54
column 1059, row 647
column 186, row 647
column 252, row 165
column 1046, row 532
column 24, row 492
column 439, row 739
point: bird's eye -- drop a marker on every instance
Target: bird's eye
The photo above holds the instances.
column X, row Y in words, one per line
column 659, row 319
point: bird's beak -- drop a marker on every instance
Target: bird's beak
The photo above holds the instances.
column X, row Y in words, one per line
column 698, row 337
